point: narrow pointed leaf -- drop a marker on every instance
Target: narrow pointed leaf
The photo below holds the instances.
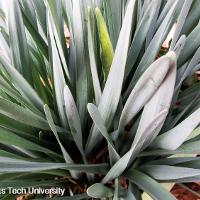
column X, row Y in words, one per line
column 9, row 138
column 98, row 191
column 191, row 45
column 22, row 115
column 18, row 42
column 179, row 45
column 93, row 65
column 41, row 14
column 53, row 128
column 187, row 148
column 41, row 43
column 81, row 62
column 158, row 102
column 116, row 193
column 175, row 137
column 96, row 116
column 155, row 45
column 9, row 165
column 171, row 173
column 73, row 118
column 140, row 36
column 192, row 18
column 192, row 66
column 106, row 45
column 122, row 164
column 55, row 14
column 21, row 83
column 149, row 185
column 146, row 86
column 112, row 90
column 182, row 17
column 58, row 75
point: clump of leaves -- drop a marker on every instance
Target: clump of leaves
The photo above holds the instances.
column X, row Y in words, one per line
column 105, row 115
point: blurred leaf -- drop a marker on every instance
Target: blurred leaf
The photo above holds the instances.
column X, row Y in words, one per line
column 53, row 128
column 106, row 45
column 122, row 164
column 158, row 102
column 155, row 45
column 41, row 44
column 181, row 19
column 96, row 116
column 187, row 148
column 9, row 138
column 9, row 165
column 191, row 45
column 22, row 115
column 93, row 65
column 175, row 137
column 40, row 10
column 98, row 190
column 140, row 36
column 81, row 61
column 18, row 42
column 112, row 90
column 150, row 186
column 171, row 174
column 73, row 119
column 21, row 83
column 144, row 89
column 58, row 77
column 192, row 18
column 180, row 45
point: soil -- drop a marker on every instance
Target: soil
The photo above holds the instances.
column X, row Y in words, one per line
column 181, row 193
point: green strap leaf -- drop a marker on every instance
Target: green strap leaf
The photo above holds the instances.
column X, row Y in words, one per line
column 96, row 116
column 116, row 193
column 22, row 115
column 74, row 197
column 9, row 165
column 9, row 138
column 147, row 85
column 187, row 148
column 93, row 65
column 149, row 185
column 58, row 76
column 175, row 137
column 155, row 45
column 29, row 10
column 191, row 45
column 112, row 90
column 121, row 165
column 181, row 20
column 98, row 191
column 157, row 103
column 180, row 45
column 41, row 44
column 18, row 43
column 73, row 119
column 192, row 19
column 23, row 86
column 171, row 173
column 107, row 52
column 140, row 36
column 53, row 128
column 40, row 10
column 4, row 46
column 12, row 91
column 81, row 61
column 56, row 27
